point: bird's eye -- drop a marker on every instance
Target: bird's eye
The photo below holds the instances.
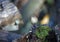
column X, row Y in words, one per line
column 17, row 22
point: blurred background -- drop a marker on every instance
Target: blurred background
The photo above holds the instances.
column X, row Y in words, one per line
column 34, row 20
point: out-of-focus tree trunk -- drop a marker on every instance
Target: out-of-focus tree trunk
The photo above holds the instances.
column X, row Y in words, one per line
column 31, row 9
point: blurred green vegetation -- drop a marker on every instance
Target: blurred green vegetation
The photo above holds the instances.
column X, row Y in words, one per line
column 50, row 2
column 42, row 32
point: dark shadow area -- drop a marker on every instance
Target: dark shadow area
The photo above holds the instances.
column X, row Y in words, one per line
column 51, row 37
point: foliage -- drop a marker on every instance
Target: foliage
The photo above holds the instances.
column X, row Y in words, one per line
column 42, row 31
column 50, row 2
